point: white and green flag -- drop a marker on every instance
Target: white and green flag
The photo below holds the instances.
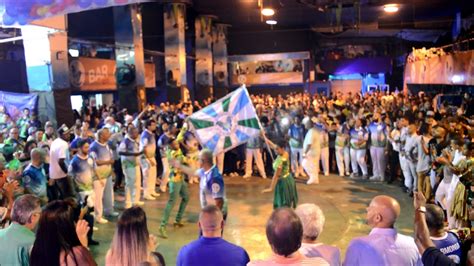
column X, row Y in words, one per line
column 226, row 123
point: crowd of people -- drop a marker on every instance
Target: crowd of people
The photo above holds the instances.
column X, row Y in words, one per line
column 57, row 182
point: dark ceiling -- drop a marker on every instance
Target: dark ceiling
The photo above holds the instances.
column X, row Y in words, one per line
column 298, row 14
column 292, row 16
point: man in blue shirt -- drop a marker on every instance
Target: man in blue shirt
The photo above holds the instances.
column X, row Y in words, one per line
column 103, row 184
column 81, row 169
column 148, row 161
column 211, row 249
column 34, row 178
column 211, row 186
column 163, row 142
column 447, row 242
column 130, row 153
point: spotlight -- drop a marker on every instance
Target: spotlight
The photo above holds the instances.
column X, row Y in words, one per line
column 74, row 52
column 268, row 12
column 271, row 22
column 390, row 8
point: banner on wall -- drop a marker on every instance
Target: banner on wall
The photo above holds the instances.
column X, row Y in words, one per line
column 93, row 74
column 90, row 74
column 455, row 69
column 22, row 12
column 14, row 103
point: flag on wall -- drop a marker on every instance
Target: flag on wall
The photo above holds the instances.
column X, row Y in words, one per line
column 227, row 123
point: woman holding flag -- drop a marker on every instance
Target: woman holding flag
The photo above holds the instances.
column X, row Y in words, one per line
column 283, row 183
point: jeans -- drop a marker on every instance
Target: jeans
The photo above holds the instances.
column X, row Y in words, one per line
column 176, row 188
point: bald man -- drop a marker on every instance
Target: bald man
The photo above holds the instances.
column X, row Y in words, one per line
column 211, row 249
column 383, row 246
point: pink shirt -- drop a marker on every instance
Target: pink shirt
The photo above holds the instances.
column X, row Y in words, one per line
column 299, row 259
column 330, row 253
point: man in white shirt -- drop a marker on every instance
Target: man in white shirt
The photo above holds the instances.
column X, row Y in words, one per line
column 384, row 245
column 58, row 166
column 311, row 153
column 411, row 155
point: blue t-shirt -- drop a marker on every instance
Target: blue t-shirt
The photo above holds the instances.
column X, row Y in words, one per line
column 82, row 171
column 163, row 143
column 296, row 134
column 211, row 187
column 101, row 152
column 378, row 134
column 450, row 246
column 212, row 251
column 34, row 179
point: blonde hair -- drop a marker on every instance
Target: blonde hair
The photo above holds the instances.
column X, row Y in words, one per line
column 130, row 243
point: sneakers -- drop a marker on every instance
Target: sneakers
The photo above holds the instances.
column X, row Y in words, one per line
column 326, row 174
column 163, row 189
column 154, row 194
column 139, row 203
column 92, row 242
column 163, row 232
column 246, row 176
column 312, row 181
column 178, row 224
column 101, row 220
column 149, row 197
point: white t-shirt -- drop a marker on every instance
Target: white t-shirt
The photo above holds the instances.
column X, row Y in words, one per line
column 59, row 150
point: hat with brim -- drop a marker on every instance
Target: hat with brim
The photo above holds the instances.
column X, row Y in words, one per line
column 64, row 130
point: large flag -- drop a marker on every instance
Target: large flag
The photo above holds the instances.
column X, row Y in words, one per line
column 227, row 123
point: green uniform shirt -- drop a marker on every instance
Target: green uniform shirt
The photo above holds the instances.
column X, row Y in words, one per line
column 284, row 163
column 16, row 242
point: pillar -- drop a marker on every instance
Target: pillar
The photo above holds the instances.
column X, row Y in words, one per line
column 219, row 52
column 175, row 51
column 47, row 68
column 129, row 56
column 204, row 59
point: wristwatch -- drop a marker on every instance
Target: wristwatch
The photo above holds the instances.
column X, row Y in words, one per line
column 421, row 209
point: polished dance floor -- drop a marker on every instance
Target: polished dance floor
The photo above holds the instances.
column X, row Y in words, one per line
column 343, row 202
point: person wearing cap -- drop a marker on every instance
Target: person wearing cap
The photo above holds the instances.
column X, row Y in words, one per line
column 58, row 164
column 378, row 145
column 178, row 186
column 129, row 151
column 148, row 161
column 311, row 152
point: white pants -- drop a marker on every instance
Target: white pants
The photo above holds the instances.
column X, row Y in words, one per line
column 378, row 161
column 296, row 160
column 132, row 185
column 256, row 154
column 104, row 197
column 412, row 181
column 325, row 160
column 358, row 159
column 343, row 159
column 149, row 177
column 445, row 195
column 405, row 170
column 311, row 165
column 165, row 176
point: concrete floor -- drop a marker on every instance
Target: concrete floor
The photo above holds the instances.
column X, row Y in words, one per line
column 343, row 202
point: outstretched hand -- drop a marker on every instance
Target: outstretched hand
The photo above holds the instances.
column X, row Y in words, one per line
column 419, row 200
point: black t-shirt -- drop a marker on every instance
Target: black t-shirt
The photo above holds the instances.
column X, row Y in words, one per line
column 433, row 256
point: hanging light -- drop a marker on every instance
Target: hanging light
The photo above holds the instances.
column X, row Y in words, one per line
column 390, row 8
column 268, row 12
column 271, row 22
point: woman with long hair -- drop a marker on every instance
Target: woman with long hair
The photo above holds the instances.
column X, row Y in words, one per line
column 58, row 240
column 283, row 184
column 132, row 244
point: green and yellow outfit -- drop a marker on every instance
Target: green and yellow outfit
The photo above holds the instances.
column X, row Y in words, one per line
column 285, row 189
column 177, row 187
